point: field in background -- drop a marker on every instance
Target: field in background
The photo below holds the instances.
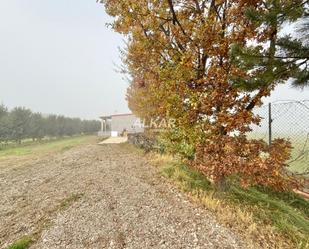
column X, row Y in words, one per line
column 32, row 148
column 299, row 161
column 290, row 120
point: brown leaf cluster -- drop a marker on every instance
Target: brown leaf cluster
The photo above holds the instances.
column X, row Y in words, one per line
column 252, row 161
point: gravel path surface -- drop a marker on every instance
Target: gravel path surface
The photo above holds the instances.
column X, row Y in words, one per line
column 101, row 196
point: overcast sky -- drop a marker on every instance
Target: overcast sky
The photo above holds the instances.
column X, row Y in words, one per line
column 58, row 57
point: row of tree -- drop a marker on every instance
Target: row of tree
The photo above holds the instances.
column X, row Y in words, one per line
column 21, row 123
column 207, row 64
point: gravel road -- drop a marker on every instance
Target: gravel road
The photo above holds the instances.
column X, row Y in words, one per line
column 101, row 196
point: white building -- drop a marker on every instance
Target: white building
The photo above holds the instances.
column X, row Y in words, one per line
column 117, row 124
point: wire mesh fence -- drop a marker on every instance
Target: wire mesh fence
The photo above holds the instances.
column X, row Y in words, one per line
column 289, row 120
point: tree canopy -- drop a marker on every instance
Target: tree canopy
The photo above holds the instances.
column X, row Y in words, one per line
column 207, row 64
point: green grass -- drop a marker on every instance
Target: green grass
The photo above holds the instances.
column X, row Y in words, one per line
column 190, row 179
column 38, row 148
column 287, row 213
column 22, row 243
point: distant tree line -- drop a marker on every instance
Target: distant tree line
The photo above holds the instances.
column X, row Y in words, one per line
column 21, row 123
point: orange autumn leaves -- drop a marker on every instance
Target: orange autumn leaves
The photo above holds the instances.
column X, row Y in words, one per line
column 254, row 162
column 178, row 57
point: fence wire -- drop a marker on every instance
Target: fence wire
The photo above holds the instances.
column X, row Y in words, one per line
column 289, row 120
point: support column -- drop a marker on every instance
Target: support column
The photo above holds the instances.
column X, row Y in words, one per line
column 102, row 124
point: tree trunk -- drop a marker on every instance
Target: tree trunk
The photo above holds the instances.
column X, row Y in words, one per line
column 222, row 185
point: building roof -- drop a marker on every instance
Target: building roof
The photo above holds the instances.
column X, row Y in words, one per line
column 115, row 115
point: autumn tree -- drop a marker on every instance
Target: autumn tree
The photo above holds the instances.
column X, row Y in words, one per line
column 184, row 61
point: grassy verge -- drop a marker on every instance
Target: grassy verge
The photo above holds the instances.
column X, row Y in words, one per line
column 264, row 218
column 22, row 243
column 50, row 146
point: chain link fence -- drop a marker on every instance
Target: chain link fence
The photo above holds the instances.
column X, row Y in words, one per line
column 289, row 120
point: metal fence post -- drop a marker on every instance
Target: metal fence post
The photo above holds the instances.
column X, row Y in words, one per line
column 269, row 124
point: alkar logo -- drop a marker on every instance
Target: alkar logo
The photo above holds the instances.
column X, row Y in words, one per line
column 155, row 123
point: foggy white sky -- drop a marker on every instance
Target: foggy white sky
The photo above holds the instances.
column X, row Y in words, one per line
column 58, row 57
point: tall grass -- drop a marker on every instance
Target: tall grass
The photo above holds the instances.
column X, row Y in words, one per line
column 265, row 218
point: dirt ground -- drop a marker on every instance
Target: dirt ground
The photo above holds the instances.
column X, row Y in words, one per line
column 100, row 196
